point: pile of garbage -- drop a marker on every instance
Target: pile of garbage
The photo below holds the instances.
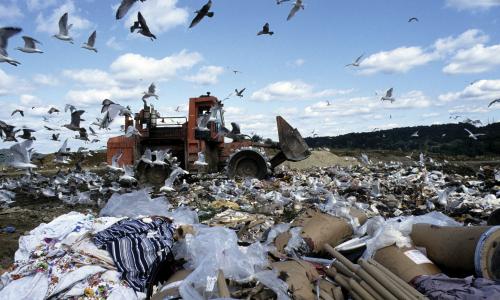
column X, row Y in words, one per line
column 370, row 231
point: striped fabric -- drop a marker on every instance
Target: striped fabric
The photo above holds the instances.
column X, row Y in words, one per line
column 137, row 248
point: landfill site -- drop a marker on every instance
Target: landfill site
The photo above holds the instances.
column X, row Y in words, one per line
column 257, row 150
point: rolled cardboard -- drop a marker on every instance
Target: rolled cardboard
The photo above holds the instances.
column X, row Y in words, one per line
column 406, row 263
column 472, row 249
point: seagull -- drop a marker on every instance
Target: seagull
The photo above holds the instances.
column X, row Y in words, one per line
column 472, row 135
column 21, row 156
column 356, row 63
column 128, row 177
column 493, row 102
column 70, row 107
column 49, row 128
column 124, row 8
column 55, row 136
column 201, row 160
column 111, row 110
column 239, row 93
column 150, row 93
column 53, row 110
column 61, row 156
column 63, row 34
column 328, row 103
column 177, row 108
column 21, row 112
column 83, row 135
column 147, row 157
column 413, row 19
column 298, row 5
column 265, row 30
column 415, row 134
column 75, row 120
column 200, row 14
column 132, row 131
column 29, row 45
column 27, row 134
column 142, row 26
column 5, row 34
column 388, row 96
column 281, row 1
column 236, row 72
column 8, row 131
column 114, row 160
column 91, row 42
column 92, row 131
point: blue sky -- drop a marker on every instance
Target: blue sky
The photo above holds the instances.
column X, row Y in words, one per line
column 430, row 64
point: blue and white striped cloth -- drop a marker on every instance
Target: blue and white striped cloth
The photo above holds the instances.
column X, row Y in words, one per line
column 137, row 247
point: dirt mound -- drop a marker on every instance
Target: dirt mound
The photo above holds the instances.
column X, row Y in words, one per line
column 321, row 158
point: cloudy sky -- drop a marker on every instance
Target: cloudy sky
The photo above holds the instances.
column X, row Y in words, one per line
column 447, row 63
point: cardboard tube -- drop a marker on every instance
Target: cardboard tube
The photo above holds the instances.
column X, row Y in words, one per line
column 337, row 293
column 370, row 290
column 360, row 290
column 396, row 279
column 344, row 270
column 222, row 286
column 397, row 291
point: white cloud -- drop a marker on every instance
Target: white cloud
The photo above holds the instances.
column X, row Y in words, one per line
column 28, row 100
column 206, row 75
column 50, row 24
column 299, row 62
column 472, row 4
column 477, row 59
column 10, row 85
column 451, row 44
column 480, row 90
column 113, row 44
column 94, row 96
column 161, row 15
column 10, row 11
column 132, row 66
column 45, row 79
column 39, row 4
column 399, row 60
column 293, row 90
column 431, row 115
column 91, row 77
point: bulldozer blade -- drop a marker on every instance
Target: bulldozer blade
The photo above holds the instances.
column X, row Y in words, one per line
column 291, row 142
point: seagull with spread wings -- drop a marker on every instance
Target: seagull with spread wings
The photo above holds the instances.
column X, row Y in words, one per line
column 89, row 45
column 64, row 28
column 5, row 34
column 203, row 12
column 143, row 27
column 357, row 62
column 296, row 7
column 124, row 7
column 473, row 135
column 29, row 45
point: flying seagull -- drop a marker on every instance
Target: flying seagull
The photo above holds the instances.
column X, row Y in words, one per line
column 142, row 26
column 177, row 108
column 75, row 120
column 27, row 134
column 281, row 1
column 21, row 156
column 415, row 134
column 413, row 19
column 64, row 28
column 92, row 131
column 239, row 93
column 5, row 34
column 30, row 45
column 298, row 5
column 53, row 110
column 17, row 111
column 356, row 62
column 55, row 136
column 71, row 108
column 200, row 14
column 8, row 131
column 83, row 135
column 125, row 7
column 388, row 96
column 494, row 101
column 265, row 30
column 150, row 93
column 473, row 135
column 90, row 42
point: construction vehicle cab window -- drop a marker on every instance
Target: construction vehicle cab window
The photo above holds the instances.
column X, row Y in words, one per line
column 203, row 132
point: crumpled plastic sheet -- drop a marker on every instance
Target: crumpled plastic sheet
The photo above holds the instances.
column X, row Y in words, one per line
column 27, row 288
column 443, row 287
column 397, row 231
column 270, row 279
column 213, row 249
column 135, row 204
column 183, row 215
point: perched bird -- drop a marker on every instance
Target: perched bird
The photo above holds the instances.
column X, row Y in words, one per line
column 21, row 112
column 55, row 136
column 494, row 101
column 473, row 135
column 82, row 135
column 388, row 96
column 415, row 134
column 64, row 28
column 125, row 7
column 70, row 107
column 356, row 62
column 200, row 14
column 142, row 26
column 89, row 45
column 29, row 45
column 75, row 120
column 265, row 30
column 53, row 110
column 27, row 134
column 5, row 34
column 239, row 93
column 150, row 93
column 412, row 19
column 298, row 5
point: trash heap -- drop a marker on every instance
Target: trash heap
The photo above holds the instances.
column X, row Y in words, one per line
column 370, row 231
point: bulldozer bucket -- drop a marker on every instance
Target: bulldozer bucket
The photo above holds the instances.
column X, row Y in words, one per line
column 292, row 145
